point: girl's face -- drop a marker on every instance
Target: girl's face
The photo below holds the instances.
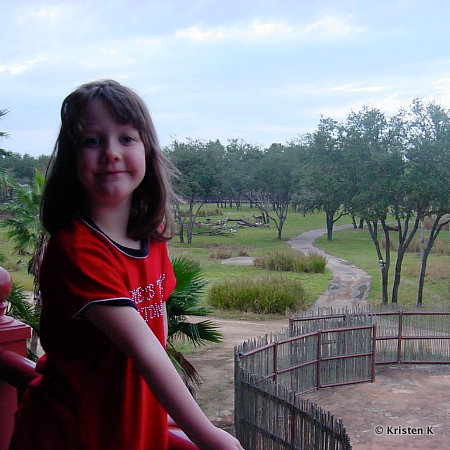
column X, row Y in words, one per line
column 111, row 161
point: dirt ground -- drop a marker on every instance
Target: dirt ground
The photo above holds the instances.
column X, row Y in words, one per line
column 393, row 412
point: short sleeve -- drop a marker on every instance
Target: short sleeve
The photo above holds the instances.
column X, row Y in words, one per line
column 82, row 272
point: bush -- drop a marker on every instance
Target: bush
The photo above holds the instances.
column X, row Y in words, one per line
column 221, row 253
column 316, row 263
column 291, row 261
column 262, row 295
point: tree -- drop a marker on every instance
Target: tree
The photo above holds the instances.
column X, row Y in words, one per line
column 272, row 182
column 323, row 179
column 184, row 301
column 370, row 143
column 241, row 159
column 428, row 156
column 3, row 112
column 4, row 180
column 200, row 164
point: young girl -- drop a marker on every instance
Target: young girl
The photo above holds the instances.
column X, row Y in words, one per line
column 106, row 380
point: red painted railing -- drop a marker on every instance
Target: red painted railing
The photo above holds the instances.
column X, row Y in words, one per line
column 16, row 372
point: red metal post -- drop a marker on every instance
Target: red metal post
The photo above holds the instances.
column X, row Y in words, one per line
column 13, row 337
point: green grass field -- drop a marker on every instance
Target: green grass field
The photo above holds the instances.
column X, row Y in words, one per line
column 357, row 247
column 353, row 245
column 254, row 242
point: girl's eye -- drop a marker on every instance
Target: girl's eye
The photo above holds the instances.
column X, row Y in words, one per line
column 128, row 139
column 92, row 141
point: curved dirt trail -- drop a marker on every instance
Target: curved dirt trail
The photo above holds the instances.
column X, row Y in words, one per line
column 350, row 285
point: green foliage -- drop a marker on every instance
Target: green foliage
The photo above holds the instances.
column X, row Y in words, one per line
column 184, row 301
column 21, row 168
column 22, row 221
column 263, row 294
column 291, row 261
column 22, row 308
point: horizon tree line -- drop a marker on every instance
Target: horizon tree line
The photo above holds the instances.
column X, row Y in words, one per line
column 375, row 168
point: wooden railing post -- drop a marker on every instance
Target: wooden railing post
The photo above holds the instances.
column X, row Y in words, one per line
column 13, row 337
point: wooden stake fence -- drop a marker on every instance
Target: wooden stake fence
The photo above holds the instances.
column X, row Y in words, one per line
column 272, row 372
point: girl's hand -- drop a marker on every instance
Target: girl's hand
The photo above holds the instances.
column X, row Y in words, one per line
column 221, row 440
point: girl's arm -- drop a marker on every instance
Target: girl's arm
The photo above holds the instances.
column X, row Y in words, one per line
column 129, row 332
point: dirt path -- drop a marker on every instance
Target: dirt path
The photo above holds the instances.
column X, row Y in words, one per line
column 350, row 285
column 402, row 396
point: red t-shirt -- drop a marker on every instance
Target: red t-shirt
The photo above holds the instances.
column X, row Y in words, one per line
column 90, row 395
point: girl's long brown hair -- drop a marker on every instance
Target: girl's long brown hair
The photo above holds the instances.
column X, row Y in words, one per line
column 64, row 199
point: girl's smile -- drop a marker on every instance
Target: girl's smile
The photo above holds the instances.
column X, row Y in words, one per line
column 111, row 160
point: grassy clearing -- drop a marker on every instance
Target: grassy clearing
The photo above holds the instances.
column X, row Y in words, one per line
column 356, row 246
column 14, row 263
column 253, row 242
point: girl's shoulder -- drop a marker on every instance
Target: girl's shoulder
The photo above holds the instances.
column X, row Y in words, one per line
column 72, row 235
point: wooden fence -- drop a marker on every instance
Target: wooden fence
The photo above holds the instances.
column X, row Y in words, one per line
column 272, row 371
column 404, row 337
column 270, row 416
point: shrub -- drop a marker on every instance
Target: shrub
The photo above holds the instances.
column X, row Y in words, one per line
column 263, row 295
column 291, row 261
column 316, row 263
column 221, row 253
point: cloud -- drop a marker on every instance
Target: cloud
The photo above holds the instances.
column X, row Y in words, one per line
column 43, row 14
column 354, row 88
column 20, row 67
column 257, row 29
column 199, row 35
column 333, row 26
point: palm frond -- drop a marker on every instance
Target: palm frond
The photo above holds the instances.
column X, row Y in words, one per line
column 196, row 333
column 187, row 371
column 183, row 302
column 190, row 281
column 21, row 308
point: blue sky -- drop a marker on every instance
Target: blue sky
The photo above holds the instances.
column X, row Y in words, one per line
column 260, row 70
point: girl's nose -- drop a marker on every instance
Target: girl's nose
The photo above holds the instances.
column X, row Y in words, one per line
column 111, row 151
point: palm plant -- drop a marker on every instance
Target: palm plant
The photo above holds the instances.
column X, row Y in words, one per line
column 183, row 302
column 23, row 224
column 25, row 229
column 22, row 309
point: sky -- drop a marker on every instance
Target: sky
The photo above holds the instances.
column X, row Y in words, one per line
column 263, row 71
